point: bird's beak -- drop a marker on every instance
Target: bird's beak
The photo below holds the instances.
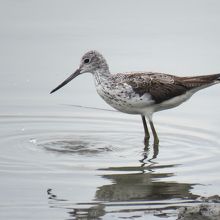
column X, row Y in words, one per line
column 72, row 76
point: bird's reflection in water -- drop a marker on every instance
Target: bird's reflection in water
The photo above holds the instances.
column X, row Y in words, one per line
column 141, row 185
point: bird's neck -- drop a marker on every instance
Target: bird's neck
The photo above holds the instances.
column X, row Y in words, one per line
column 101, row 75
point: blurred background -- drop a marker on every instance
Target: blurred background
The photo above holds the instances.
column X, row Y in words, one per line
column 42, row 43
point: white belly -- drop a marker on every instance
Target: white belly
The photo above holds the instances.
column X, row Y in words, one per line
column 125, row 100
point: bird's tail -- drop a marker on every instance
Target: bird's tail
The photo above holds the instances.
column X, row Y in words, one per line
column 200, row 81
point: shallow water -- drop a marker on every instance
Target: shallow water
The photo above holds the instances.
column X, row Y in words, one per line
column 62, row 160
column 78, row 164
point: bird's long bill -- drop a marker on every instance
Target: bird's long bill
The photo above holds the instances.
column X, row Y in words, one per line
column 75, row 74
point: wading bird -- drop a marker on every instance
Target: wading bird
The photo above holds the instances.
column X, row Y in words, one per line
column 141, row 93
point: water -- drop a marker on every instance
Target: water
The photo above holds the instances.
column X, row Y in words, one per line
column 62, row 161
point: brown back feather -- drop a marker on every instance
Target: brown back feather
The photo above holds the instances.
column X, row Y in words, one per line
column 163, row 86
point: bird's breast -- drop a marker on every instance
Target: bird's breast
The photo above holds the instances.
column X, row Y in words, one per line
column 124, row 99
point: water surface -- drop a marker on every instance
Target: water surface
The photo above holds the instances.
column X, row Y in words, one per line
column 62, row 161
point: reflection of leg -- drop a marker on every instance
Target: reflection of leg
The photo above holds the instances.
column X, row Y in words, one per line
column 156, row 149
column 146, row 150
column 156, row 139
column 146, row 132
column 146, row 153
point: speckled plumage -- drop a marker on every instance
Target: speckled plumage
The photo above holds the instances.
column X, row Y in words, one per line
column 140, row 92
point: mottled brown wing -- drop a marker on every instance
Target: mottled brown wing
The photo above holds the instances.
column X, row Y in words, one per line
column 162, row 91
column 160, row 86
column 163, row 87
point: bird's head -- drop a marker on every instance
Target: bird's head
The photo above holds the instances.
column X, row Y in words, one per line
column 92, row 62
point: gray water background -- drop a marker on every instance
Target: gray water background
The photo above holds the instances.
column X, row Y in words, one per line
column 59, row 161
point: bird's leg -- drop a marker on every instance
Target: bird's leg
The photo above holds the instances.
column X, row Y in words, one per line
column 146, row 132
column 156, row 139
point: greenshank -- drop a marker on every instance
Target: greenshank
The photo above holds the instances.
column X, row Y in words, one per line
column 141, row 93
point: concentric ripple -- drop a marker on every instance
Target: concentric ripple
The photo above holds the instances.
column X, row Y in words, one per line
column 107, row 138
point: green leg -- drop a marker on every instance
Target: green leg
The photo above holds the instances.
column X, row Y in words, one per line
column 156, row 139
column 146, row 132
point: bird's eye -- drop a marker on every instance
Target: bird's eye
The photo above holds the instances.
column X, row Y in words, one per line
column 86, row 61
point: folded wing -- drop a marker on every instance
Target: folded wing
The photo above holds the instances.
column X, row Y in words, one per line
column 163, row 87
